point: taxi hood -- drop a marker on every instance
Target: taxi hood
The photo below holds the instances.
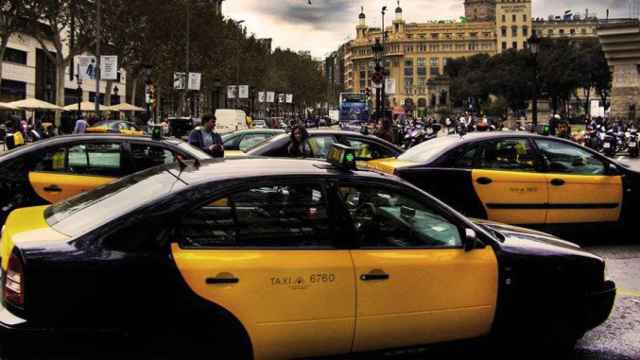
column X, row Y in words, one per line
column 519, row 239
column 25, row 226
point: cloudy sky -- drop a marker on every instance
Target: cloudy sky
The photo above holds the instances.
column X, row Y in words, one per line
column 322, row 26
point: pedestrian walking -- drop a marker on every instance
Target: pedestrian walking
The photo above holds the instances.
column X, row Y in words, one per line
column 80, row 126
column 384, row 130
column 206, row 138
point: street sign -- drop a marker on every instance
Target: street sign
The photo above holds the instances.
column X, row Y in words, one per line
column 262, row 96
column 195, row 81
column 109, row 67
column 231, row 91
column 390, row 86
column 179, row 81
column 289, row 98
column 87, row 67
column 271, row 96
column 244, row 91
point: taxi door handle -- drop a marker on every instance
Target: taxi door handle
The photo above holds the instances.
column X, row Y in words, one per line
column 52, row 188
column 557, row 182
column 484, row 181
column 374, row 276
column 222, row 280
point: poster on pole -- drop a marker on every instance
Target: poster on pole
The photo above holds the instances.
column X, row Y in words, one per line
column 87, row 67
column 281, row 98
column 109, row 67
column 179, row 80
column 390, row 86
column 289, row 98
column 262, row 97
column 244, row 91
column 195, row 81
column 231, row 91
column 271, row 96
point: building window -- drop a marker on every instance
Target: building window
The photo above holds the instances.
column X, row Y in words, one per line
column 504, row 18
column 408, row 68
column 504, row 31
column 525, row 31
column 514, row 18
column 514, row 31
column 435, row 66
column 514, row 45
column 15, row 56
column 584, row 31
column 550, row 32
column 504, row 45
column 561, row 31
column 573, row 31
column 472, row 46
column 13, row 90
column 422, row 67
column 435, row 35
column 524, row 17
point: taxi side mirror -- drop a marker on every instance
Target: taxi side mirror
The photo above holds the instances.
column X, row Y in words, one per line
column 471, row 240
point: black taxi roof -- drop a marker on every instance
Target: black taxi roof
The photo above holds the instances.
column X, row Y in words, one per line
column 246, row 167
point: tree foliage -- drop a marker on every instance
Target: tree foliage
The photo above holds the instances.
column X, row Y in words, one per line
column 563, row 67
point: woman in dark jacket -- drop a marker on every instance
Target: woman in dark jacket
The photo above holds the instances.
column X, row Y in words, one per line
column 299, row 146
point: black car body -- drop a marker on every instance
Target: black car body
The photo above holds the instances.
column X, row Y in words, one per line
column 177, row 261
column 320, row 141
column 55, row 169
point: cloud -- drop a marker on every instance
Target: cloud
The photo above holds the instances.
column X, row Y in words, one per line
column 325, row 24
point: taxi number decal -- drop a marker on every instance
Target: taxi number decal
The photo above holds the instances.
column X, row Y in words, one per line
column 523, row 190
column 300, row 283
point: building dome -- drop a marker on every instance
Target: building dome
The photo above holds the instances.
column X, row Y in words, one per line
column 398, row 9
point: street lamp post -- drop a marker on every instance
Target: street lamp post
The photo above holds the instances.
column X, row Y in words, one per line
column 534, row 48
column 116, row 90
column 378, row 49
column 147, row 71
column 79, row 82
column 384, row 70
column 239, row 22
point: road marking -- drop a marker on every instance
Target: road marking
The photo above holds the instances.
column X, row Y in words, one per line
column 628, row 293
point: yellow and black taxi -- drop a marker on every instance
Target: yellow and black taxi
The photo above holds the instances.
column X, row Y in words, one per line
column 367, row 147
column 282, row 258
column 521, row 178
column 54, row 169
column 116, row 127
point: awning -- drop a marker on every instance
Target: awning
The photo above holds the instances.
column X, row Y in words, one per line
column 125, row 107
column 34, row 104
column 85, row 106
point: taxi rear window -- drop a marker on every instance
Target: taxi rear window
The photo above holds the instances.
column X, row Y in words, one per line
column 82, row 213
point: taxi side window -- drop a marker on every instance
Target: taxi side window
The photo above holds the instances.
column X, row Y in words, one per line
column 509, row 155
column 568, row 159
column 95, row 159
column 320, row 145
column 250, row 141
column 53, row 160
column 467, row 157
column 277, row 216
column 383, row 218
column 144, row 156
column 368, row 151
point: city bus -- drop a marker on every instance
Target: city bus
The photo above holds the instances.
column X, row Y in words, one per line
column 354, row 110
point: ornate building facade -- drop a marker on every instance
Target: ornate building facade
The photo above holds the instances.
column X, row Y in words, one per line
column 416, row 53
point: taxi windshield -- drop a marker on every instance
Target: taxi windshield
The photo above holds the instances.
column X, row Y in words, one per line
column 427, row 151
column 84, row 212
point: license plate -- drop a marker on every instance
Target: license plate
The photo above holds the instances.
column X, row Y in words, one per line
column 606, row 145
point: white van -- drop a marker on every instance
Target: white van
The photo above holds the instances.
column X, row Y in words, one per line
column 230, row 120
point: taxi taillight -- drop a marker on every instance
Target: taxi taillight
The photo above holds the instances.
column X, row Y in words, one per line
column 13, row 292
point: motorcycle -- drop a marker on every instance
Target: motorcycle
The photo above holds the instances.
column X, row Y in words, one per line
column 632, row 142
column 609, row 143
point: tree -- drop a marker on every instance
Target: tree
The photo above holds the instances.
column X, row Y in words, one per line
column 558, row 72
column 50, row 22
column 11, row 22
column 511, row 76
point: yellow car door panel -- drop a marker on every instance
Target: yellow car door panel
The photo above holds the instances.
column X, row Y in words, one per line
column 581, row 188
column 430, row 296
column 409, row 254
column 55, row 187
column 584, row 199
column 267, row 256
column 292, row 303
column 512, row 197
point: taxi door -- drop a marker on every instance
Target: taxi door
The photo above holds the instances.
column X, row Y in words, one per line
column 268, row 256
column 508, row 184
column 69, row 170
column 580, row 189
column 416, row 285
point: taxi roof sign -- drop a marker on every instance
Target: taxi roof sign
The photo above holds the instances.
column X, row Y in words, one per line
column 342, row 156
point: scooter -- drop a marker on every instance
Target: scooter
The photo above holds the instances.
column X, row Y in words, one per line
column 632, row 142
column 609, row 143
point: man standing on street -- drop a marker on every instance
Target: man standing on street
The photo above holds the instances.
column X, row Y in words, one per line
column 81, row 126
column 206, row 139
